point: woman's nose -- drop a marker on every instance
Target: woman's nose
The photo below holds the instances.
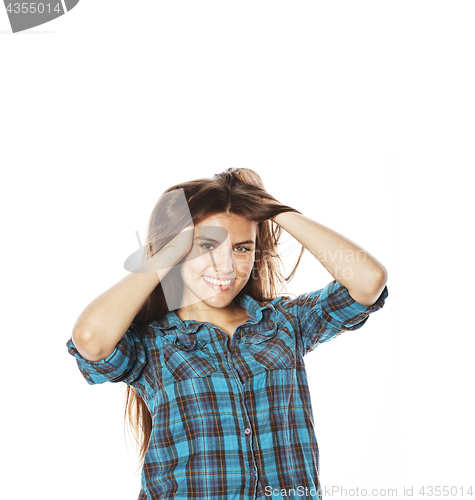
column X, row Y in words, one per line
column 224, row 259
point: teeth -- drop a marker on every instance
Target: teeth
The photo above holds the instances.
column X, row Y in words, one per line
column 217, row 282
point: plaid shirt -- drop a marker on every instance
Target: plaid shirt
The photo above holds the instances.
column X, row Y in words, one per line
column 232, row 418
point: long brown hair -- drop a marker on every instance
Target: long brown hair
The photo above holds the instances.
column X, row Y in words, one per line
column 238, row 191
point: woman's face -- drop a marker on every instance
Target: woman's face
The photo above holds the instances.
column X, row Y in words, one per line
column 221, row 270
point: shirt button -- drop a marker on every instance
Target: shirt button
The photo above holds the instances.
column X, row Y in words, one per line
column 253, row 473
column 247, row 431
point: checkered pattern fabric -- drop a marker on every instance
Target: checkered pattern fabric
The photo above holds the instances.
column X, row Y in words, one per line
column 232, row 418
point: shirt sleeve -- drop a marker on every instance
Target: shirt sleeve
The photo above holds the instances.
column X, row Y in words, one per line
column 124, row 364
column 326, row 313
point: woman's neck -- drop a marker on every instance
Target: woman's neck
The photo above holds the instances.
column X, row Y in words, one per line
column 215, row 315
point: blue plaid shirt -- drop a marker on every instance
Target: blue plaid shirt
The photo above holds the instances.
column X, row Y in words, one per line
column 232, row 418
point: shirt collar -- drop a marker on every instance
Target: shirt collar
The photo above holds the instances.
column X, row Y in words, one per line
column 253, row 307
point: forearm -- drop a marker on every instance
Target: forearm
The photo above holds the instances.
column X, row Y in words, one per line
column 107, row 318
column 352, row 266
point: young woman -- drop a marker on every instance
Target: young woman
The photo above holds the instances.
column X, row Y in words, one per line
column 212, row 356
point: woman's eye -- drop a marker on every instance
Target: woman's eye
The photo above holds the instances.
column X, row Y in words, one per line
column 243, row 249
column 206, row 246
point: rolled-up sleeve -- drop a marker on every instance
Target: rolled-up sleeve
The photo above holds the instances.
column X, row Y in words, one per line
column 326, row 313
column 124, row 364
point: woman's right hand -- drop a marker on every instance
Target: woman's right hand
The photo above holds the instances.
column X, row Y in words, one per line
column 164, row 257
column 182, row 243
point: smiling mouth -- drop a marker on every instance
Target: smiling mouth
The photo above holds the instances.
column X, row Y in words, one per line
column 218, row 285
column 221, row 283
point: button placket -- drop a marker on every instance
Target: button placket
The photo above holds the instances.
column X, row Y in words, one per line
column 247, row 430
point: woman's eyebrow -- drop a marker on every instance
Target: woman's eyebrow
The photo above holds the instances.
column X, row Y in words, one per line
column 204, row 238
column 247, row 242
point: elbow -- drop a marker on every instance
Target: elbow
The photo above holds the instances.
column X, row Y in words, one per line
column 81, row 337
column 85, row 343
column 380, row 278
column 376, row 286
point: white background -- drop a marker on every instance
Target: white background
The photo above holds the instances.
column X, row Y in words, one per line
column 358, row 114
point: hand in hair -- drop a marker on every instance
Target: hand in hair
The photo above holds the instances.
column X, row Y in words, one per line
column 352, row 266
